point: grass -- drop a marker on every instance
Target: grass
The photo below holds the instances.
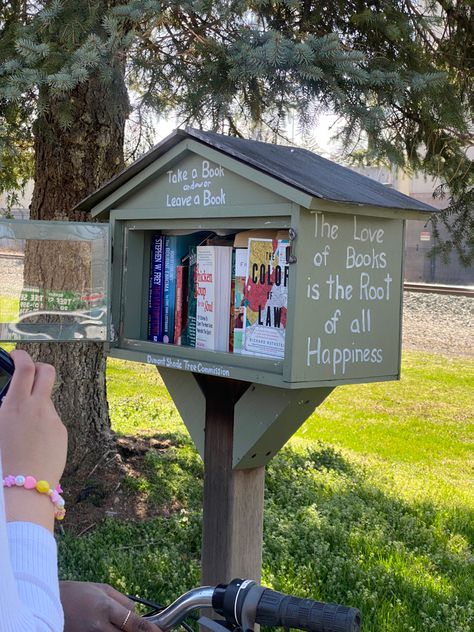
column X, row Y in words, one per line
column 370, row 504
column 9, row 309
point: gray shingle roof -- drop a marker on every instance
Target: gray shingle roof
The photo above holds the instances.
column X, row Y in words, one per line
column 300, row 168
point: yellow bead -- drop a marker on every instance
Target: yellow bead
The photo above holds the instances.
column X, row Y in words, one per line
column 42, row 487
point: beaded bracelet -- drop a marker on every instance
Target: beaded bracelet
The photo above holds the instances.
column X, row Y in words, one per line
column 30, row 482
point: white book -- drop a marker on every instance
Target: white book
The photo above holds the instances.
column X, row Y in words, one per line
column 213, row 292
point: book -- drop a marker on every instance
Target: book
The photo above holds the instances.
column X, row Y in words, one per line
column 188, row 336
column 213, row 290
column 181, row 307
column 266, row 297
column 155, row 293
column 241, row 239
column 239, row 277
column 169, row 289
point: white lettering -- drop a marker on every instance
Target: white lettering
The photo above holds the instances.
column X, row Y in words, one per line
column 214, row 200
column 368, row 234
column 178, row 200
column 322, row 228
column 211, row 172
column 370, row 292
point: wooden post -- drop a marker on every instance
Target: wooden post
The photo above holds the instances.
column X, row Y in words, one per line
column 233, row 499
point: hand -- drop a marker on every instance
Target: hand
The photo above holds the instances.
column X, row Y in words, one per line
column 99, row 608
column 33, row 440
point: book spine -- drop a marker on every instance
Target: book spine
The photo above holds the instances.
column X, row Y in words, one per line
column 232, row 305
column 169, row 292
column 189, row 337
column 239, row 278
column 172, row 286
column 206, row 297
column 155, row 293
column 180, row 307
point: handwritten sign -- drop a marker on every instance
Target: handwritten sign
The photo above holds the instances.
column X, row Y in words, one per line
column 197, row 186
column 351, row 307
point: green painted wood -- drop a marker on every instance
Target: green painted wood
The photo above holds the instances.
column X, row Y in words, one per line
column 235, row 215
column 131, row 186
column 199, row 184
column 116, row 278
column 266, row 417
column 347, row 298
column 212, row 179
column 329, row 206
column 188, row 359
column 135, row 284
column 190, row 402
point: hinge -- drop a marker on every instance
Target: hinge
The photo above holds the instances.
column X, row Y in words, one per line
column 292, row 237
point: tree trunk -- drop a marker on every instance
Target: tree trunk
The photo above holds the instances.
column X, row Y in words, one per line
column 70, row 163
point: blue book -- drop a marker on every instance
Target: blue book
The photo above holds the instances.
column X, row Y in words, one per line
column 155, row 294
column 169, row 289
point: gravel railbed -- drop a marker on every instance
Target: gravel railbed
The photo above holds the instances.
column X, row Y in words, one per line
column 438, row 323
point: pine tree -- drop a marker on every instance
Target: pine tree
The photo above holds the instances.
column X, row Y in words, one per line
column 72, row 71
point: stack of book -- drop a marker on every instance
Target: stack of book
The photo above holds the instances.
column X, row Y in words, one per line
column 221, row 294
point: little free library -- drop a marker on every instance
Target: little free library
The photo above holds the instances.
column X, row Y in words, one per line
column 257, row 262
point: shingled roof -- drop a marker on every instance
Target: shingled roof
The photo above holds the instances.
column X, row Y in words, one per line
column 299, row 168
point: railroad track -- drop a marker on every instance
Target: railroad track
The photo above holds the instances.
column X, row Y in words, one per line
column 435, row 288
column 12, row 255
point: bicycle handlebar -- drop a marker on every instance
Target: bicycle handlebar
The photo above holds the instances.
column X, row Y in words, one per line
column 243, row 603
column 277, row 609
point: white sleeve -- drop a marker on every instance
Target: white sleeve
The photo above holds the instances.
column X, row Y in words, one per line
column 29, row 587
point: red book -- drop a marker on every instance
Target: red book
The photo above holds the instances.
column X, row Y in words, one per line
column 181, row 306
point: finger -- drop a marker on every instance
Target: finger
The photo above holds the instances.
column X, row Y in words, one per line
column 23, row 376
column 139, row 624
column 44, row 380
column 125, row 619
column 119, row 597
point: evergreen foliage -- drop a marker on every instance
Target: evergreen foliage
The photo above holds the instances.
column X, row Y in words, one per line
column 396, row 71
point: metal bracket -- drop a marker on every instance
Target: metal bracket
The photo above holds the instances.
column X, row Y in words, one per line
column 292, row 236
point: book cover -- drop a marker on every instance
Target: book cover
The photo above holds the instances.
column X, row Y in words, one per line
column 213, row 290
column 266, row 297
column 238, row 288
column 155, row 295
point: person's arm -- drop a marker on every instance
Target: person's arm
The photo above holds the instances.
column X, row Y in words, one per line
column 29, row 593
column 32, row 442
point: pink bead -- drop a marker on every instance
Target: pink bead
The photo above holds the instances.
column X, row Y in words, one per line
column 58, row 489
column 30, row 482
column 55, row 496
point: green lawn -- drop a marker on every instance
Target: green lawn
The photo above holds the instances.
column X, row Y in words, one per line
column 371, row 504
column 9, row 307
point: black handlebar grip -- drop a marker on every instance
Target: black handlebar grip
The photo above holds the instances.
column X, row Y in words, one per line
column 277, row 609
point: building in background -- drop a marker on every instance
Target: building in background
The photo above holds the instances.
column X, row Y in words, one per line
column 420, row 267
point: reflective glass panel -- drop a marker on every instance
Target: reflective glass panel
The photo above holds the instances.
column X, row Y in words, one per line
column 53, row 280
